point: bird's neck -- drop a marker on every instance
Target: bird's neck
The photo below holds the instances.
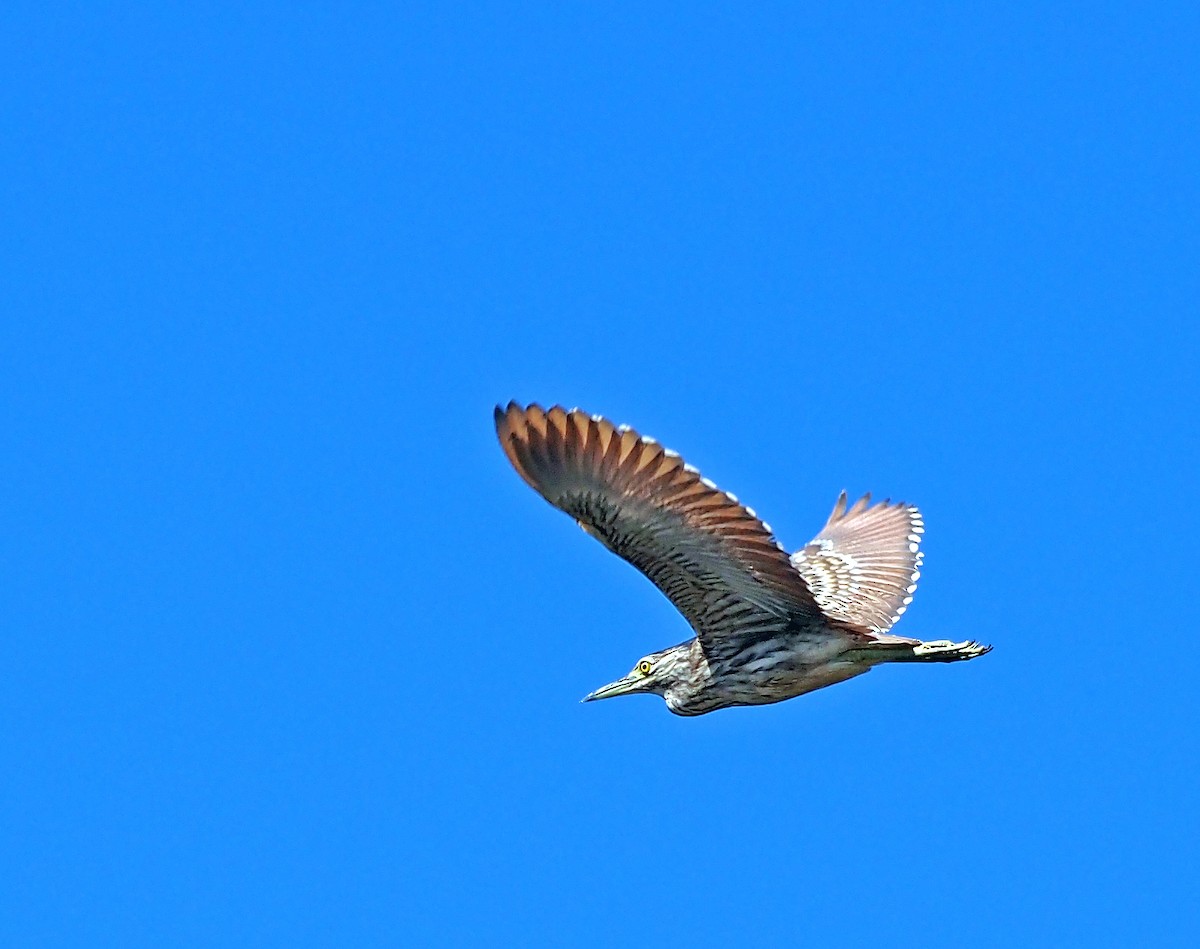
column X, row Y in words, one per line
column 692, row 687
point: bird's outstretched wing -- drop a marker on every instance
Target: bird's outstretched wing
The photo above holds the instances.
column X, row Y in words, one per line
column 864, row 565
column 713, row 558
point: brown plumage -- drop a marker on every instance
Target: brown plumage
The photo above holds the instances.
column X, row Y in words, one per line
column 768, row 627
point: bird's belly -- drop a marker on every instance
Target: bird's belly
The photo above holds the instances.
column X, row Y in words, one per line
column 767, row 675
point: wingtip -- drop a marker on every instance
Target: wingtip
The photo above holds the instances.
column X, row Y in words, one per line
column 839, row 507
column 504, row 416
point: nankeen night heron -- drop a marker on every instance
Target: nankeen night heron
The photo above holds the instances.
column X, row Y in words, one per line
column 768, row 626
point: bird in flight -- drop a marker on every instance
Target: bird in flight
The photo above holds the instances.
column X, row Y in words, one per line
column 768, row 626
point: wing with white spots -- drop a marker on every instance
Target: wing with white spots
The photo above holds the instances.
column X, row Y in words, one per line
column 864, row 565
column 712, row 557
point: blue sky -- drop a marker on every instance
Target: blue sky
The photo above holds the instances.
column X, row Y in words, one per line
column 292, row 657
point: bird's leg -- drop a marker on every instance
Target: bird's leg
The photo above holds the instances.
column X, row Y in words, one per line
column 942, row 650
column 938, row 650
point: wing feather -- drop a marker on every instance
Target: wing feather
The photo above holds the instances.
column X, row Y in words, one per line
column 712, row 557
column 864, row 565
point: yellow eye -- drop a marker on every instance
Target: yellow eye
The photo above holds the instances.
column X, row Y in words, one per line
column 644, row 667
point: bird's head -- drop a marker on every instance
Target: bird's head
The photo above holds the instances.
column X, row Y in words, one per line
column 654, row 673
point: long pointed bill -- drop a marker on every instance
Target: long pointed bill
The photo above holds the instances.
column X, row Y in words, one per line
column 631, row 683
